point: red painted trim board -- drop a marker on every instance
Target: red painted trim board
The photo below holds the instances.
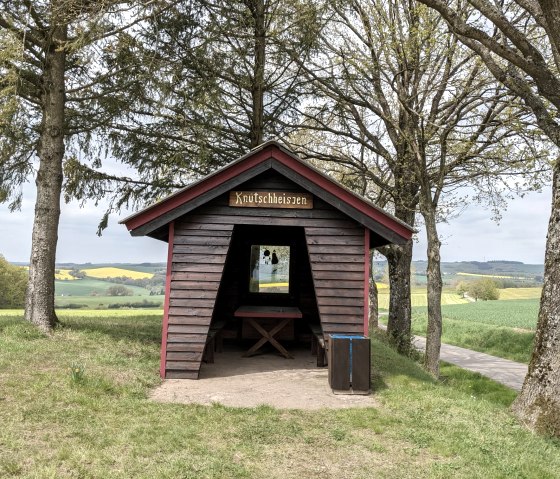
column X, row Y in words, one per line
column 342, row 194
column 251, row 161
column 366, row 281
column 196, row 190
column 166, row 302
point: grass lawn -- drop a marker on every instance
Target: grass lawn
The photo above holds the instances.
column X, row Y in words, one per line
column 104, row 426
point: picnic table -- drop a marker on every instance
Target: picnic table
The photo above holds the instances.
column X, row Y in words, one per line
column 269, row 322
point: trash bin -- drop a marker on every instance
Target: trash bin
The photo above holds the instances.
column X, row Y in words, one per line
column 349, row 364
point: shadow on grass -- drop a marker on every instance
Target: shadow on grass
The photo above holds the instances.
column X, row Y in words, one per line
column 145, row 329
column 391, row 367
column 388, row 365
column 476, row 385
column 14, row 326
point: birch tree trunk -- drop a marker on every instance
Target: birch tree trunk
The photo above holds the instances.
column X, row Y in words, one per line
column 538, row 404
column 39, row 301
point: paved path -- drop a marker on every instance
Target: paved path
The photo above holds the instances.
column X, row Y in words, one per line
column 501, row 370
column 504, row 371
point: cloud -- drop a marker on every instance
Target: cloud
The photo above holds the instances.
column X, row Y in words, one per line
column 77, row 238
column 474, row 236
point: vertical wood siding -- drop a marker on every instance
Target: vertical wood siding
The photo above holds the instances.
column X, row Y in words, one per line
column 337, row 266
column 199, row 255
column 335, row 248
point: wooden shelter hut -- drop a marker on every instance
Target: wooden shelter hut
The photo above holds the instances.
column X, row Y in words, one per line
column 266, row 241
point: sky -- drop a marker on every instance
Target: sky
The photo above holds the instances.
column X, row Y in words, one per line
column 473, row 236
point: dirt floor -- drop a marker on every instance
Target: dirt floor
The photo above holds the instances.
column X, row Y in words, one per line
column 264, row 379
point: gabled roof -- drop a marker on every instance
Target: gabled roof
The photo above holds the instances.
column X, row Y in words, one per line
column 269, row 155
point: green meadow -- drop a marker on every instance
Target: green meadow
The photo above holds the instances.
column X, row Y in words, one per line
column 99, row 423
column 501, row 328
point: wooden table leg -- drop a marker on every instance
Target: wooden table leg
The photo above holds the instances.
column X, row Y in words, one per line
column 268, row 336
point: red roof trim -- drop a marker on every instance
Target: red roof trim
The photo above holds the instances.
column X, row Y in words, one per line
column 340, row 192
column 165, row 325
column 367, row 263
column 188, row 194
column 251, row 160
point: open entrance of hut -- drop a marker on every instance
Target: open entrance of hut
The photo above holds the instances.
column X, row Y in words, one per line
column 266, row 300
column 267, row 252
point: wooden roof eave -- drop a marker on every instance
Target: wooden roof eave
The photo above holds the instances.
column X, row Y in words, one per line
column 386, row 228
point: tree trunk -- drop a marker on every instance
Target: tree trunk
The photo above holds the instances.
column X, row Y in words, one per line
column 433, row 336
column 538, row 404
column 39, row 301
column 373, row 299
column 257, row 90
column 399, row 259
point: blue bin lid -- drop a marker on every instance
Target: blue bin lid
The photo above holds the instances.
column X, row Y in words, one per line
column 348, row 336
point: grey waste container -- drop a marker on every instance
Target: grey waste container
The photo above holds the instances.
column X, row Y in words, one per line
column 349, row 364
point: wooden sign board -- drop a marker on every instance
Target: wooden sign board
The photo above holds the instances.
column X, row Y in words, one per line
column 271, row 199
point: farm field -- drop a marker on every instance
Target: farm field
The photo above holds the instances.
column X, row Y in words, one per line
column 92, row 290
column 89, row 287
column 481, row 275
column 449, row 297
column 501, row 328
column 103, row 302
column 520, row 293
column 418, row 298
column 521, row 314
column 64, row 274
column 112, row 272
column 142, row 267
column 104, row 425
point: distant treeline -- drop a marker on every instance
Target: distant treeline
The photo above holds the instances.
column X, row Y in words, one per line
column 156, row 284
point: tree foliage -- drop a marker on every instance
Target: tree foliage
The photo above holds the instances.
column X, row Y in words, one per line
column 519, row 42
column 484, row 289
column 406, row 114
column 13, row 282
column 119, row 290
column 58, row 99
column 222, row 77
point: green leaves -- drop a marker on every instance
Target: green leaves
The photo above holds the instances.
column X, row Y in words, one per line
column 13, row 282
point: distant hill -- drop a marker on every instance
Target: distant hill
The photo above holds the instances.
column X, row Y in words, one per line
column 515, row 272
column 504, row 268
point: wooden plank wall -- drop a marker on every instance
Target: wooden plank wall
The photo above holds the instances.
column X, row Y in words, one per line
column 336, row 252
column 199, row 255
column 335, row 245
column 337, row 267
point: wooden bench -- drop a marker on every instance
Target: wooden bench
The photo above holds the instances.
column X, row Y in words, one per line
column 318, row 346
column 214, row 341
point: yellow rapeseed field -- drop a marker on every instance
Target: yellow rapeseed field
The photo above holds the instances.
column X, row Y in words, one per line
column 110, row 272
column 490, row 276
column 520, row 293
column 418, row 297
column 64, row 274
